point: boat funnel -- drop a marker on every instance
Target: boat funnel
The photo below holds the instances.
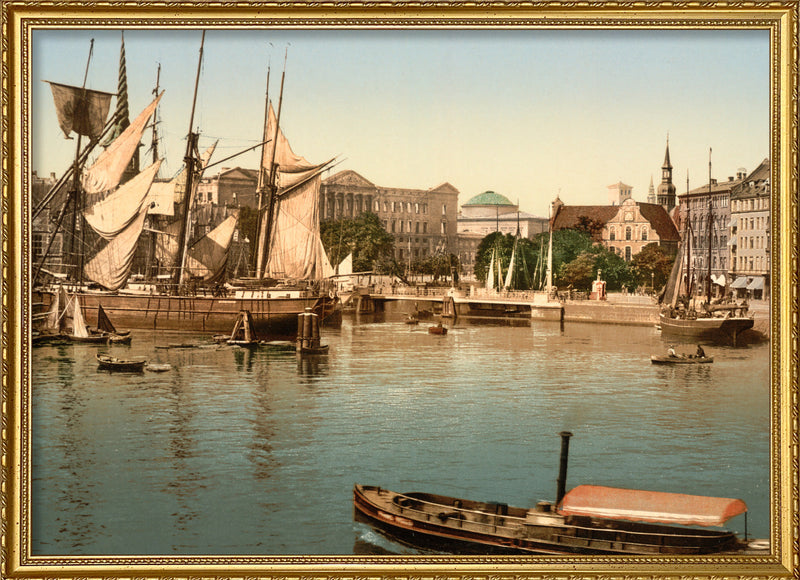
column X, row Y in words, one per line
column 562, row 469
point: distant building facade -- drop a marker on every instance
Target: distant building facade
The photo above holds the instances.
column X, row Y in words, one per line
column 422, row 221
column 490, row 212
column 624, row 229
column 749, row 244
column 233, row 187
column 705, row 213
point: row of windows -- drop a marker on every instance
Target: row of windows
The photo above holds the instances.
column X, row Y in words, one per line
column 702, row 241
column 754, row 223
column 700, row 203
column 701, row 262
column 405, row 227
column 753, row 242
column 628, row 234
column 756, row 262
column 400, row 206
column 750, row 204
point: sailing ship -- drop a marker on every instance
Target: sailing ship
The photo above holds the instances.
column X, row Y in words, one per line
column 682, row 314
column 191, row 297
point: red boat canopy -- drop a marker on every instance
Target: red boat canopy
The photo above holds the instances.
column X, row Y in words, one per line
column 650, row 506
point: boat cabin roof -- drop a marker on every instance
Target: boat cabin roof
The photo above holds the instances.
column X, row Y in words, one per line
column 650, row 506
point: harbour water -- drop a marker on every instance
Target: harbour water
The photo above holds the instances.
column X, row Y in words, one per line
column 245, row 452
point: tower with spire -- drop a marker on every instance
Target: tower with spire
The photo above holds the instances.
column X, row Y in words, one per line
column 665, row 196
column 651, row 192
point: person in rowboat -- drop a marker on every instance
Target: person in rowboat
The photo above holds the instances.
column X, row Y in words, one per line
column 671, row 351
column 700, row 352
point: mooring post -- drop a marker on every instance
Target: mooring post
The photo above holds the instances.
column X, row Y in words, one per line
column 562, row 469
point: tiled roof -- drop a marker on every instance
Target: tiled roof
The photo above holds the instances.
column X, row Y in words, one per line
column 567, row 216
column 660, row 221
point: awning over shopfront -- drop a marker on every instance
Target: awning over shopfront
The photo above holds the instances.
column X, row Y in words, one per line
column 756, row 284
column 740, row 282
column 650, row 506
column 718, row 280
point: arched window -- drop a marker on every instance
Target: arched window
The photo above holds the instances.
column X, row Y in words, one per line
column 628, row 234
column 612, row 235
column 627, row 253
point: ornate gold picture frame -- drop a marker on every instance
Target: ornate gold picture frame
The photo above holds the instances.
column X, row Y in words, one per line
column 780, row 19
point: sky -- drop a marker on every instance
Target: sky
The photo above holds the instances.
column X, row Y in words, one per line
column 530, row 114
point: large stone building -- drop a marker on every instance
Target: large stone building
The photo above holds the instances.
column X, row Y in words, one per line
column 232, row 187
column 422, row 221
column 490, row 212
column 749, row 270
column 625, row 228
column 704, row 218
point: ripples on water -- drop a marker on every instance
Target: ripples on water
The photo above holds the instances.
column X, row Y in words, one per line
column 241, row 452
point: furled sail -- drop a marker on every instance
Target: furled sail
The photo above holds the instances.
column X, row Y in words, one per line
column 295, row 245
column 209, row 255
column 296, row 249
column 111, row 266
column 113, row 214
column 81, row 110
column 106, row 172
column 167, row 245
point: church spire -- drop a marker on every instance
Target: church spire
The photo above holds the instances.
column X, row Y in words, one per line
column 666, row 190
column 667, row 164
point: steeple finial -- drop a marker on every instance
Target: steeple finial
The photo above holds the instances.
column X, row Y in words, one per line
column 667, row 164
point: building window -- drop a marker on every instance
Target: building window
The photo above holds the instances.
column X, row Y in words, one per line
column 613, row 235
column 386, row 206
column 402, row 226
column 444, row 209
column 416, row 208
column 628, row 234
column 394, row 226
column 627, row 253
column 444, row 228
column 416, row 229
column 424, row 227
column 644, row 234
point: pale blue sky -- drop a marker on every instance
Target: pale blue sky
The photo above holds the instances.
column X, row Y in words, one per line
column 525, row 113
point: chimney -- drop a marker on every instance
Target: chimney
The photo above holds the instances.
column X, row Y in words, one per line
column 562, row 468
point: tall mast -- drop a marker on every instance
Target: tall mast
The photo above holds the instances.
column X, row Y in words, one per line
column 255, row 262
column 550, row 255
column 189, row 160
column 77, row 198
column 710, row 222
column 272, row 177
column 155, row 121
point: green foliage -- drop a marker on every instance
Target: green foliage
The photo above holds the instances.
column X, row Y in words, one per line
column 439, row 266
column 372, row 246
column 652, row 265
column 525, row 261
column 579, row 273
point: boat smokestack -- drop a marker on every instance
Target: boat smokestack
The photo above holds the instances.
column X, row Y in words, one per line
column 562, row 469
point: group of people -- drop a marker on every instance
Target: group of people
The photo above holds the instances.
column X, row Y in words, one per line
column 699, row 353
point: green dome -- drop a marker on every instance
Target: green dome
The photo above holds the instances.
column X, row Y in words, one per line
column 489, row 198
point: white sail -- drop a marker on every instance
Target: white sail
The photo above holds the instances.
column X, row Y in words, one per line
column 490, row 274
column 295, row 249
column 209, row 255
column 295, row 245
column 345, row 267
column 111, row 266
column 52, row 322
column 510, row 273
column 107, row 170
column 79, row 328
column 113, row 214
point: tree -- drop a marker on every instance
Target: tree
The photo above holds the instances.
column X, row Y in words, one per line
column 525, row 261
column 364, row 237
column 652, row 265
column 580, row 272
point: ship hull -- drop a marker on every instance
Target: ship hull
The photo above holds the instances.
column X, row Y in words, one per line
column 705, row 328
column 274, row 313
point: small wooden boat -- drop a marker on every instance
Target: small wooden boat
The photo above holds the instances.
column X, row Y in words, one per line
column 438, row 329
column 588, row 520
column 111, row 363
column 681, row 360
column 412, row 320
column 279, row 345
column 119, row 338
column 158, row 367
